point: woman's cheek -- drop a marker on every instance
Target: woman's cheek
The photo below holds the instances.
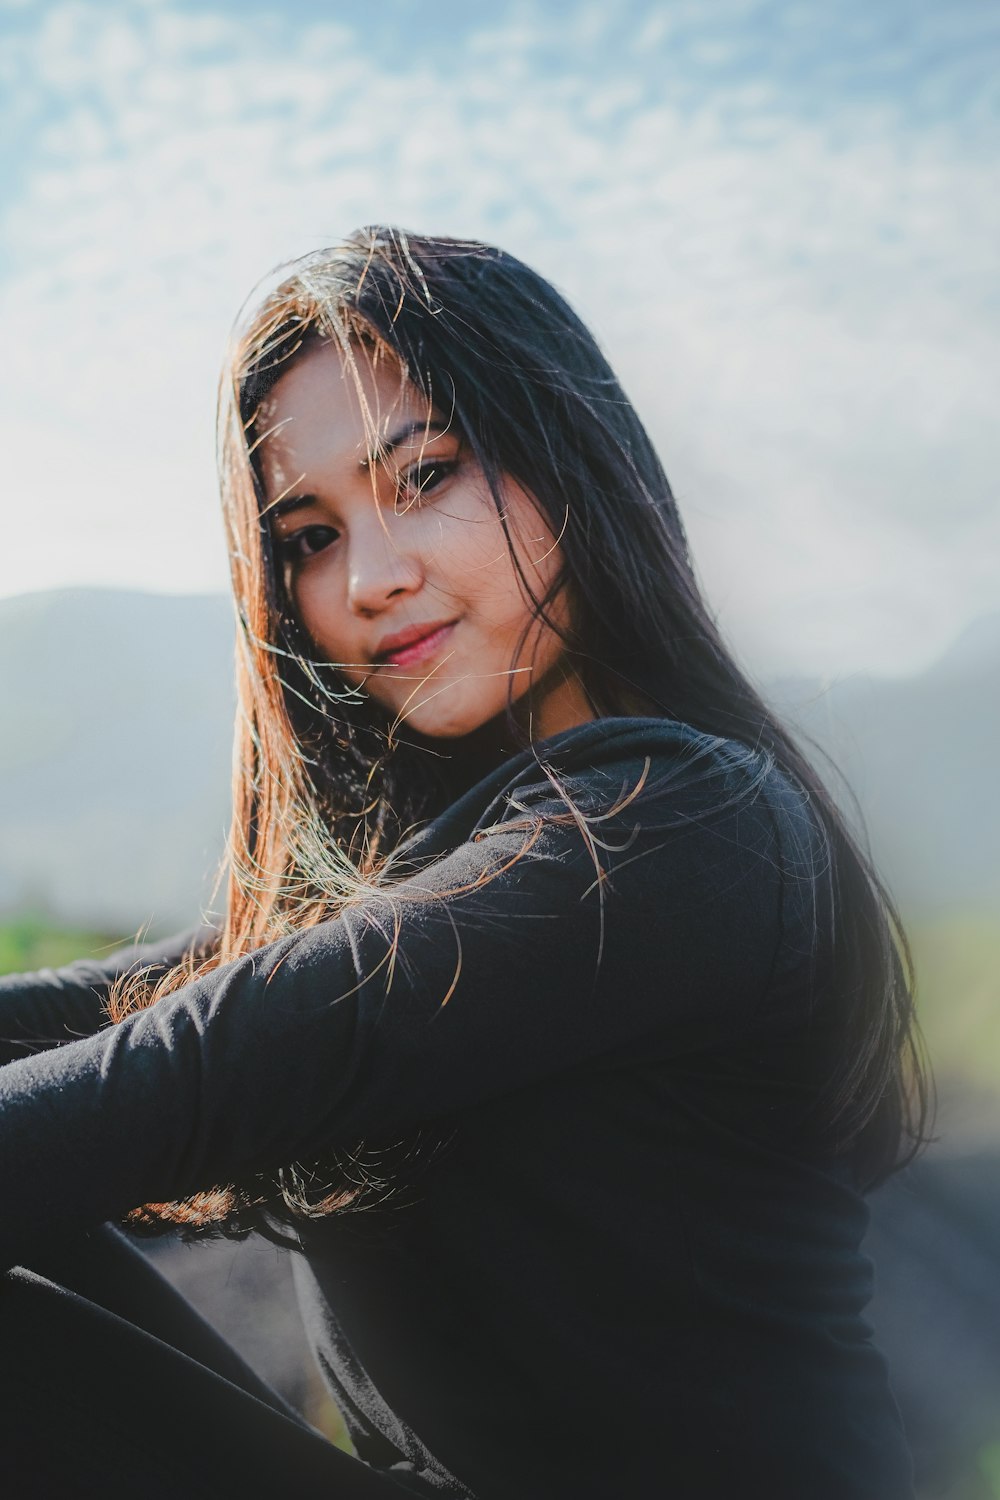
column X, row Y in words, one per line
column 322, row 613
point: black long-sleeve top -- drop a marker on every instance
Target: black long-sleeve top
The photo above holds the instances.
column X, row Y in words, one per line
column 629, row 1264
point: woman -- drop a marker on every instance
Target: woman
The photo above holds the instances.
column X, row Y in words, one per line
column 554, row 1013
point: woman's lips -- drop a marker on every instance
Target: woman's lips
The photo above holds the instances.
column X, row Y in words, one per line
column 418, row 650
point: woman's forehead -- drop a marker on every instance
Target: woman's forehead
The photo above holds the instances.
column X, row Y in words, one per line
column 340, row 409
column 356, row 384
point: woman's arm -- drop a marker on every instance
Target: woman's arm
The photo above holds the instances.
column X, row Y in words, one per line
column 494, row 968
column 50, row 1007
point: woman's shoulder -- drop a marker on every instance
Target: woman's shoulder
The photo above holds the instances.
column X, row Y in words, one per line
column 667, row 754
column 606, row 741
column 629, row 779
column 664, row 772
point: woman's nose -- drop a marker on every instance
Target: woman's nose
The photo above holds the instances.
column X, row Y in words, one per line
column 380, row 568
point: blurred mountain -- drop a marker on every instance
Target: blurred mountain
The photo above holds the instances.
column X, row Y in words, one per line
column 920, row 756
column 115, row 749
column 115, row 728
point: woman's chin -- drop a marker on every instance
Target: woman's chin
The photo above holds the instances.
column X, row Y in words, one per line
column 449, row 720
column 460, row 736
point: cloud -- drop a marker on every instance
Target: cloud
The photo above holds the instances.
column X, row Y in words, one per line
column 783, row 254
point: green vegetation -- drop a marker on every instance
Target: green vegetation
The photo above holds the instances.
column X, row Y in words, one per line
column 989, row 1463
column 958, row 996
column 34, row 941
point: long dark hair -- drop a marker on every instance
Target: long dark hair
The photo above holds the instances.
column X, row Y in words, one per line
column 323, row 790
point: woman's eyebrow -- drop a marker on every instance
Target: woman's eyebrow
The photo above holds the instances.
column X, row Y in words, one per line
column 287, row 504
column 385, row 447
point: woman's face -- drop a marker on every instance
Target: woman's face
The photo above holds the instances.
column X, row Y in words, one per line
column 396, row 561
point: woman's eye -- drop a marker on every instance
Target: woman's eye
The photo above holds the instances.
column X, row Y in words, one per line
column 423, row 479
column 307, row 542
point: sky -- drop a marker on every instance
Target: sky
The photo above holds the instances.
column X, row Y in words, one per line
column 780, row 219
